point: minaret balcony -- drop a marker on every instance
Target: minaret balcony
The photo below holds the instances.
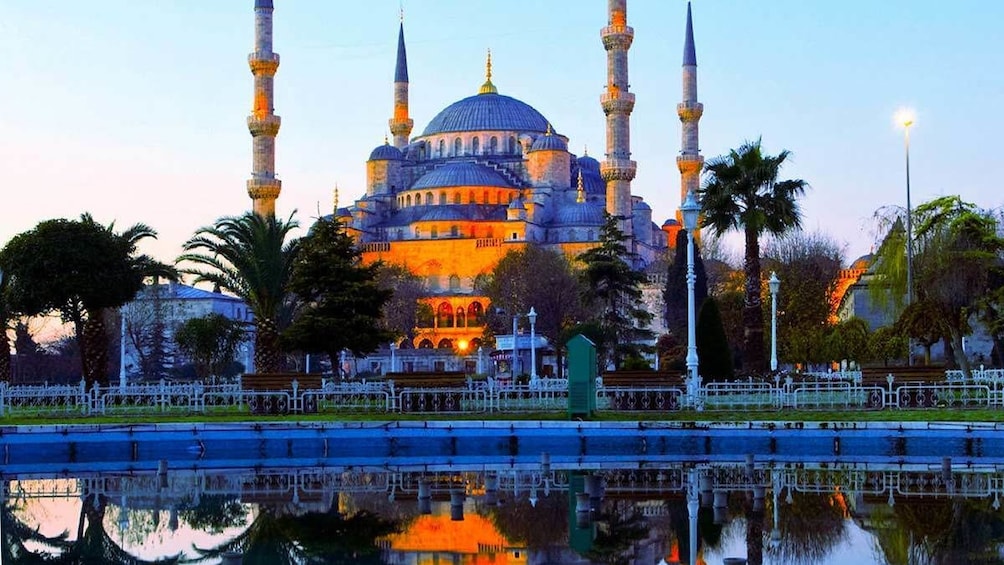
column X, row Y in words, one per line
column 263, row 63
column 264, row 187
column 689, row 111
column 617, row 102
column 618, row 169
column 617, row 41
column 267, row 124
column 401, row 127
column 613, row 30
column 690, row 163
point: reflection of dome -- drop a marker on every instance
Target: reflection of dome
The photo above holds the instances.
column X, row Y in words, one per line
column 487, row 112
column 460, row 174
column 549, row 142
column 578, row 214
column 386, row 152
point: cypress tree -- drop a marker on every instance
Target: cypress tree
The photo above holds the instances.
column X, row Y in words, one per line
column 713, row 351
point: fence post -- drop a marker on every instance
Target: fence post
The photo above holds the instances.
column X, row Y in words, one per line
column 3, row 396
column 891, row 395
column 295, row 403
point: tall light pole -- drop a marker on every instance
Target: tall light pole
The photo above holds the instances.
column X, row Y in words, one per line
column 906, row 118
column 690, row 210
column 532, row 316
column 775, row 284
column 515, row 317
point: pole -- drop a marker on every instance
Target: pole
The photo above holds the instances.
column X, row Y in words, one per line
column 122, row 349
column 773, row 323
column 533, row 345
column 909, row 233
column 692, row 507
column 692, row 361
column 514, row 318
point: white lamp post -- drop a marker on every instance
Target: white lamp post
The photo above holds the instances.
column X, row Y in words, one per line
column 393, row 357
column 775, row 284
column 532, row 316
column 515, row 317
column 690, row 210
column 905, row 118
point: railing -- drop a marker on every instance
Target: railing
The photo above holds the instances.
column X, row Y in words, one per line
column 494, row 396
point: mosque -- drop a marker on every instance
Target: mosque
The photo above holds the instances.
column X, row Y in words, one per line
column 488, row 174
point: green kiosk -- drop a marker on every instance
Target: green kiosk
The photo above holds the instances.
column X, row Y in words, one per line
column 581, row 378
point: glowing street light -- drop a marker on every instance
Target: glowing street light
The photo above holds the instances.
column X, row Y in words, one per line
column 690, row 211
column 905, row 117
column 775, row 284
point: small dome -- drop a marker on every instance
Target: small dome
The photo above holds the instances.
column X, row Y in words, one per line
column 863, row 262
column 670, row 222
column 641, row 205
column 460, row 174
column 549, row 142
column 579, row 214
column 386, row 152
column 587, row 163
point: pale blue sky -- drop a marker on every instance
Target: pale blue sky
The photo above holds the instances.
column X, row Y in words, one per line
column 134, row 110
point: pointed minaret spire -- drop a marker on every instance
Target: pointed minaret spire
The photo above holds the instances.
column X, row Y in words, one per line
column 263, row 187
column 401, row 124
column 690, row 161
column 488, row 87
column 580, row 191
column 336, row 198
column 618, row 169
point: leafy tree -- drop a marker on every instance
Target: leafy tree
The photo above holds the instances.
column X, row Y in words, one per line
column 537, row 277
column 675, row 295
column 97, row 268
column 713, row 351
column 211, row 343
column 339, row 302
column 922, row 321
column 613, row 288
column 401, row 312
column 808, row 265
column 250, row 257
column 887, row 343
column 848, row 340
column 5, row 317
column 743, row 193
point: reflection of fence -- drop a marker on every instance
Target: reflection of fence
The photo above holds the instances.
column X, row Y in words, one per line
column 494, row 396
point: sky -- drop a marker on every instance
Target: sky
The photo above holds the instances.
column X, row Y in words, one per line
column 134, row 110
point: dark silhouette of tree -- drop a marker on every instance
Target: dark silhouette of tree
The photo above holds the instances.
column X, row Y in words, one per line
column 743, row 193
column 675, row 293
column 401, row 312
column 211, row 343
column 713, row 351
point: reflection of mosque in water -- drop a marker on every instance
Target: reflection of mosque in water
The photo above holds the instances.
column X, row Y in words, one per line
column 530, row 513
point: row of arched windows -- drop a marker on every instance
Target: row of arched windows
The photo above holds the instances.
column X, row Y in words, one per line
column 430, row 199
column 443, row 344
column 457, row 148
column 446, row 316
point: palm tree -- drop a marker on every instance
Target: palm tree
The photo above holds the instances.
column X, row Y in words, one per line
column 743, row 193
column 249, row 257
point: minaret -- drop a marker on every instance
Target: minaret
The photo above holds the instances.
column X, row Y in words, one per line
column 263, row 187
column 690, row 161
column 618, row 169
column 401, row 124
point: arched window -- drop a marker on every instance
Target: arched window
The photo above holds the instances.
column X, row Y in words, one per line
column 484, row 200
column 454, row 283
column 470, row 197
column 512, row 144
column 445, row 344
column 511, row 196
column 421, row 152
column 418, row 233
column 498, row 197
column 400, row 233
column 476, row 343
column 425, row 344
column 428, row 199
column 418, row 199
column 442, row 148
column 493, row 145
column 475, row 145
column 458, row 146
column 456, row 197
column 435, row 232
column 461, row 318
column 491, row 232
column 444, row 316
column 442, row 198
column 408, row 200
column 454, row 231
column 475, row 314
column 589, row 235
column 573, row 235
column 406, row 344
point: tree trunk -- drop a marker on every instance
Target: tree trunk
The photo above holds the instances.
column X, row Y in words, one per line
column 754, row 358
column 266, row 347
column 94, row 349
column 961, row 359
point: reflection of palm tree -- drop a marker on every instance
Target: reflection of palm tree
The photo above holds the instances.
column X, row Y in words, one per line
column 93, row 545
column 951, row 530
column 16, row 533
column 810, row 527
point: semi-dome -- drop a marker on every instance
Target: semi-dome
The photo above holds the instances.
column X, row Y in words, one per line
column 442, row 214
column 579, row 214
column 460, row 174
column 549, row 142
column 589, row 164
column 386, row 152
column 488, row 111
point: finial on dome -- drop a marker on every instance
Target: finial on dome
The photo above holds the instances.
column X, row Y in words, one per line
column 585, row 150
column 580, row 192
column 336, row 198
column 385, row 141
column 488, row 87
column 548, row 132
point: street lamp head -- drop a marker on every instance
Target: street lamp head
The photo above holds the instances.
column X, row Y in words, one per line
column 532, row 315
column 774, row 283
column 690, row 211
column 905, row 117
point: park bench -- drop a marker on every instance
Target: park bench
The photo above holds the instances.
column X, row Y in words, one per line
column 260, row 384
column 441, row 391
column 643, row 390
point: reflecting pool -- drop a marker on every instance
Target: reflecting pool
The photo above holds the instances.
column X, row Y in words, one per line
column 505, row 510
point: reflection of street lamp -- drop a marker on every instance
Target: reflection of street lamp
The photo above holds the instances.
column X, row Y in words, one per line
column 693, row 480
column 532, row 316
column 775, row 284
column 690, row 210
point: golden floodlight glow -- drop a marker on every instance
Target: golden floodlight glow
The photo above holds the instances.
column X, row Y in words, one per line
column 905, row 117
column 462, row 344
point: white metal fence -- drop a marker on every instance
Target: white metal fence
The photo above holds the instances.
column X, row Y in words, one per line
column 985, row 391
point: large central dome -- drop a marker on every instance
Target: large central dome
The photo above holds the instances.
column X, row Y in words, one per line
column 488, row 111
